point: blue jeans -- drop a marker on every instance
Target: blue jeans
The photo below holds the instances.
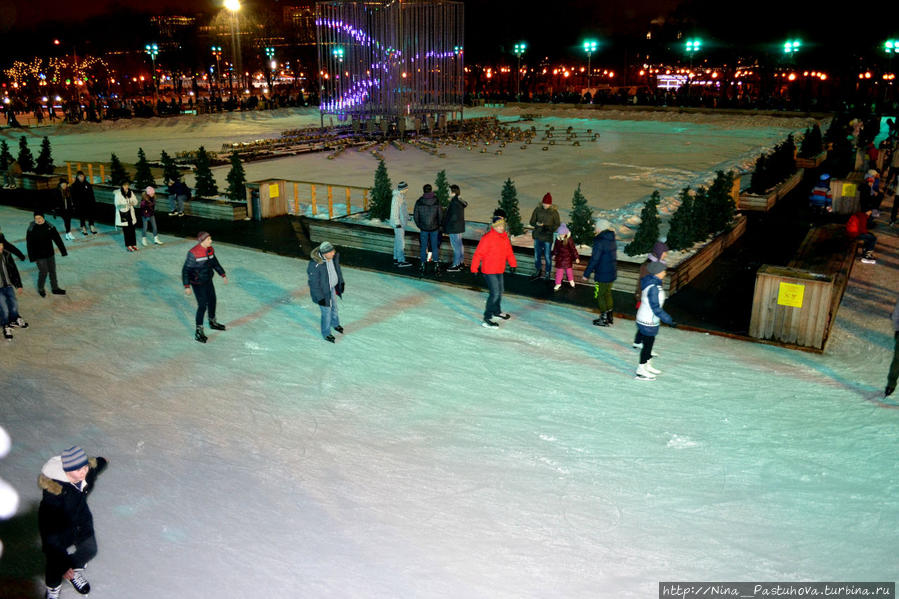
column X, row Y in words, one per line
column 152, row 221
column 495, row 289
column 176, row 201
column 399, row 240
column 9, row 305
column 330, row 319
column 869, row 240
column 458, row 249
column 429, row 239
column 542, row 249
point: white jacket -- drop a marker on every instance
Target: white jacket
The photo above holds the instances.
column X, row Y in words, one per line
column 399, row 213
column 123, row 204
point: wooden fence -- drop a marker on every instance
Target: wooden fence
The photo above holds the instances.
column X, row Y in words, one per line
column 310, row 198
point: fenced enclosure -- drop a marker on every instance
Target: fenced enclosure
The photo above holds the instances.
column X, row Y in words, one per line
column 384, row 61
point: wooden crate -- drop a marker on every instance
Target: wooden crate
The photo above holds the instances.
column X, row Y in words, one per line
column 813, row 162
column 845, row 193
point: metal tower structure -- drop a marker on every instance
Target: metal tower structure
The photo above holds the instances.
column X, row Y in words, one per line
column 384, row 60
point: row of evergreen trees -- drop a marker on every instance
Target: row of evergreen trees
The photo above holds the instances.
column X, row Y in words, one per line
column 581, row 225
column 701, row 214
column 773, row 168
column 812, row 142
column 205, row 185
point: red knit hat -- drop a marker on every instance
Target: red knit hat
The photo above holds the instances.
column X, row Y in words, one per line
column 547, row 199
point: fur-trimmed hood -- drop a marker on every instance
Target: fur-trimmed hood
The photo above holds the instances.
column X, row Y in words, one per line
column 316, row 255
column 53, row 477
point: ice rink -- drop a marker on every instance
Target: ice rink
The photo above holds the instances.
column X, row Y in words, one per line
column 423, row 456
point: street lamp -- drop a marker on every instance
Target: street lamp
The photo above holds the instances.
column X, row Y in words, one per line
column 217, row 52
column 589, row 47
column 791, row 46
column 270, row 55
column 233, row 7
column 153, row 51
column 338, row 53
column 520, row 48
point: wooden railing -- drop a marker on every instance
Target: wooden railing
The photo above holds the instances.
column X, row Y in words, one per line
column 335, row 199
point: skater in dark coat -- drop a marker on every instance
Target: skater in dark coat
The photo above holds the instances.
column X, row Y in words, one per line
column 454, row 227
column 658, row 253
column 893, row 375
column 428, row 215
column 545, row 219
column 65, row 520
column 10, row 285
column 39, row 242
column 65, row 206
column 325, row 286
column 197, row 275
column 83, row 198
column 603, row 265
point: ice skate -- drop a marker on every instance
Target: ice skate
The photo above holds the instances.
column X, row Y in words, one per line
column 93, row 230
column 557, row 287
column 643, row 374
column 489, row 323
column 80, row 582
column 7, row 332
column 571, row 283
column 200, row 335
column 214, row 324
column 144, row 242
column 19, row 323
column 84, row 231
column 504, row 315
column 339, row 329
column 157, row 241
column 330, row 339
column 53, row 592
column 652, row 369
column 868, row 258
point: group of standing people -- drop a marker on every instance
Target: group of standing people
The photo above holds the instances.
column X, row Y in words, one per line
column 76, row 200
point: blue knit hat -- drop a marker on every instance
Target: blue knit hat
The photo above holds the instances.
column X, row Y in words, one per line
column 73, row 459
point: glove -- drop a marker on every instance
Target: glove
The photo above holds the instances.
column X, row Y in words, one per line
column 339, row 289
column 513, row 269
column 673, row 325
column 322, row 302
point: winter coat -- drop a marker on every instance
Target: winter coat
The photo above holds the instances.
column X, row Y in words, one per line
column 454, row 219
column 551, row 220
column 317, row 271
column 64, row 202
column 9, row 273
column 895, row 317
column 821, row 196
column 650, row 312
column 64, row 518
column 857, row 224
column 179, row 188
column 82, row 193
column 147, row 205
column 427, row 213
column 399, row 213
column 39, row 241
column 124, row 204
column 493, row 251
column 8, row 247
column 604, row 260
column 868, row 198
column 565, row 253
column 199, row 265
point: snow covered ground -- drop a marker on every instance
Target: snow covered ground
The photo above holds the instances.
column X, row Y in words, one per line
column 636, row 153
column 424, row 456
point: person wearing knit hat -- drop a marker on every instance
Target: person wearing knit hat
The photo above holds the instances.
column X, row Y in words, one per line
column 64, row 519
column 604, row 266
column 490, row 257
column 545, row 220
column 399, row 216
column 565, row 256
column 326, row 284
column 148, row 215
column 649, row 316
column 197, row 275
column 658, row 253
column 83, row 197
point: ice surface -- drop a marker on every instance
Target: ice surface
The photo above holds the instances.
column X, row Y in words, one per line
column 425, row 456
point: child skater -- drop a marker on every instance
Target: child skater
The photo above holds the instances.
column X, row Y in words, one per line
column 565, row 255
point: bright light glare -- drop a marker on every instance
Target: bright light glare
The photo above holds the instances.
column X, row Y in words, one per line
column 232, row 5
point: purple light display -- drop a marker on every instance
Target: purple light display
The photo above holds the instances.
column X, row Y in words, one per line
column 387, row 60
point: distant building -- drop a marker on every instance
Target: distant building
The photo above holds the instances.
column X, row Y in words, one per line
column 299, row 20
column 172, row 27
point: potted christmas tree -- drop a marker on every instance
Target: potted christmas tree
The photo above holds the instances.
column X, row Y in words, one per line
column 509, row 203
column 204, row 181
column 581, row 224
column 680, row 231
column 44, row 159
column 441, row 189
column 143, row 176
column 237, row 180
column 648, row 232
column 25, row 159
column 117, row 172
column 381, row 194
column 170, row 170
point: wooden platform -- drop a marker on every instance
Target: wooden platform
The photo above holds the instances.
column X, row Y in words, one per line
column 762, row 203
column 798, row 304
column 203, row 208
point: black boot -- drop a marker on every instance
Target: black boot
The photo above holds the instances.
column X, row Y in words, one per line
column 213, row 324
column 541, row 274
column 200, row 335
column 610, row 319
column 602, row 321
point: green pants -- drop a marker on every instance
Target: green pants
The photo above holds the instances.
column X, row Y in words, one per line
column 603, row 294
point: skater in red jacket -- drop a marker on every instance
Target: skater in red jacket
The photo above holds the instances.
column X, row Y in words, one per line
column 493, row 252
column 857, row 228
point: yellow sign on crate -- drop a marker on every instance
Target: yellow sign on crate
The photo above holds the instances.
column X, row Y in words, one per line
column 790, row 294
column 273, row 191
column 849, row 190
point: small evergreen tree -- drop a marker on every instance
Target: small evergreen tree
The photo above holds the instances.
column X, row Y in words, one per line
column 117, row 172
column 648, row 232
column 5, row 157
column 204, row 181
column 680, row 233
column 813, row 143
column 701, row 215
column 509, row 202
column 758, row 184
column 581, row 224
column 44, row 159
column 721, row 204
column 237, row 180
column 381, row 194
column 143, row 177
column 25, row 159
column 169, row 169
column 441, row 189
